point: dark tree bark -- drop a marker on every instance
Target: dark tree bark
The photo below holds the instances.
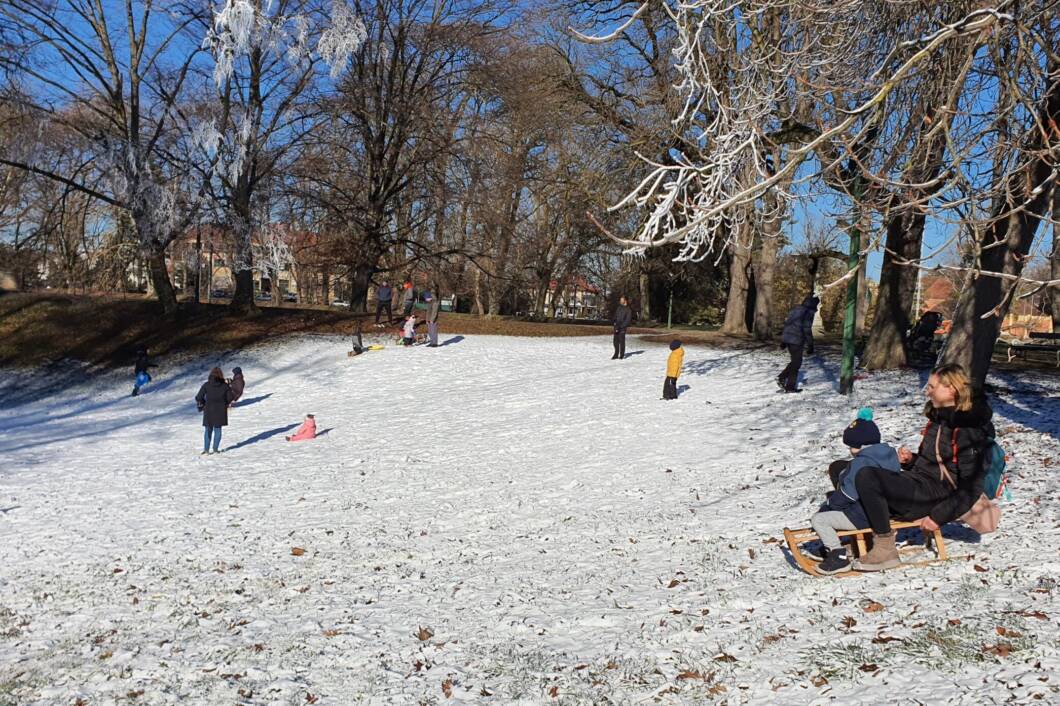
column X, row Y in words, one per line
column 739, row 287
column 1054, row 262
column 1022, row 202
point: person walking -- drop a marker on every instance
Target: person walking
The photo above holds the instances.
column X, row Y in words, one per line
column 622, row 319
column 797, row 335
column 213, row 399
column 142, row 376
column 433, row 307
column 408, row 300
column 383, row 302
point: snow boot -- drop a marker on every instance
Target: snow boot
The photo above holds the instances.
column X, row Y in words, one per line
column 136, row 391
column 835, row 561
column 882, row 556
column 780, row 384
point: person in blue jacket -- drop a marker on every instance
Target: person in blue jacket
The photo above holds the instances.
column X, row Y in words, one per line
column 842, row 509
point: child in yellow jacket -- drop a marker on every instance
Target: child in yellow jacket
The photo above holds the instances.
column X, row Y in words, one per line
column 673, row 369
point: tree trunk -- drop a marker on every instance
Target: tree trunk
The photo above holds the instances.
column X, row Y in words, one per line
column 480, row 310
column 645, row 297
column 167, row 297
column 764, row 268
column 739, row 285
column 1003, row 247
column 360, row 280
column 1054, row 263
column 243, row 262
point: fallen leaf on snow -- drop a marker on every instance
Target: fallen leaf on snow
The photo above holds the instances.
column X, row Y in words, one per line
column 297, row 551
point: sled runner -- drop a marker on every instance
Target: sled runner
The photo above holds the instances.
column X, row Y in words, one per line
column 857, row 545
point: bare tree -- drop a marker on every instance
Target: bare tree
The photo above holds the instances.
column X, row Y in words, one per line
column 130, row 72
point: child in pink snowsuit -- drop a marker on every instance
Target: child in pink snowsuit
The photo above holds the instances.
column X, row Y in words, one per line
column 307, row 431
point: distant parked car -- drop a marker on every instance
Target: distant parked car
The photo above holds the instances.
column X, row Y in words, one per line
column 220, row 294
column 290, row 297
column 264, row 297
column 340, row 303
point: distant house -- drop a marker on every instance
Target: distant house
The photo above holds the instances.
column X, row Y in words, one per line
column 941, row 292
column 580, row 299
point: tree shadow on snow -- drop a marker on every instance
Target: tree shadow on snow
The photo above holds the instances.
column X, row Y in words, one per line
column 1025, row 403
column 829, row 371
column 262, row 436
column 708, row 365
column 252, row 400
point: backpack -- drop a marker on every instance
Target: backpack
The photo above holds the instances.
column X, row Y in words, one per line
column 995, row 482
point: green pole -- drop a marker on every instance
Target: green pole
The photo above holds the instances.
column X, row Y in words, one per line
column 846, row 375
column 670, row 309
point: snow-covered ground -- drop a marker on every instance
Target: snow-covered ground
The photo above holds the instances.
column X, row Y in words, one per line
column 499, row 520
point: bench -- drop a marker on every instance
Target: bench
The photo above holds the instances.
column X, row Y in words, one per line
column 1020, row 348
column 859, row 546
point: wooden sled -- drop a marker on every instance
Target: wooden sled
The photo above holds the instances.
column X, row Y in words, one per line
column 856, row 539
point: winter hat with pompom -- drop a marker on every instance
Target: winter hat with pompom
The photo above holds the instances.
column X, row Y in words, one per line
column 862, row 431
column 674, row 345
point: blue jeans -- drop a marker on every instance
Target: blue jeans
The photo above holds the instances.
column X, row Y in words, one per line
column 207, row 431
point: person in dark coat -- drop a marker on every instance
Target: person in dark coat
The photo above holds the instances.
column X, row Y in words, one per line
column 433, row 308
column 384, row 297
column 213, row 399
column 238, row 384
column 945, row 476
column 797, row 334
column 140, row 370
column 622, row 319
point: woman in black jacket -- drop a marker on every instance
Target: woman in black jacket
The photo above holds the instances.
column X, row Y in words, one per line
column 213, row 399
column 943, row 479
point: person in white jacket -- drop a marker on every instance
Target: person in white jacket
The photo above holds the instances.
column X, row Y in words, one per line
column 408, row 333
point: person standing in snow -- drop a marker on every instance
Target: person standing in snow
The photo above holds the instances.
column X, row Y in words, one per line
column 433, row 307
column 673, row 369
column 622, row 319
column 944, row 478
column 383, row 301
column 213, row 399
column 797, row 335
column 238, row 384
column 842, row 510
column 140, row 370
column 307, row 431
column 408, row 300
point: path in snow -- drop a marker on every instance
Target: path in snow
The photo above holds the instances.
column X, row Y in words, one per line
column 560, row 533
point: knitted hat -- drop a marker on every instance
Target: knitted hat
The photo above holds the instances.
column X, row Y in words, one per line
column 237, row 371
column 674, row 345
column 862, row 431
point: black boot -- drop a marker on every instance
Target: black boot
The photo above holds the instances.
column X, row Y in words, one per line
column 835, row 562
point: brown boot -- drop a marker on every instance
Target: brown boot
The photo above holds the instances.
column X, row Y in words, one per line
column 883, row 555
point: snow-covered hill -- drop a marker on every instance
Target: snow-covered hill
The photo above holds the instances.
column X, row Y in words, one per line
column 499, row 520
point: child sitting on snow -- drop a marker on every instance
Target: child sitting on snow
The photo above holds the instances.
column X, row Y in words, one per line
column 842, row 510
column 307, row 431
column 408, row 334
column 673, row 369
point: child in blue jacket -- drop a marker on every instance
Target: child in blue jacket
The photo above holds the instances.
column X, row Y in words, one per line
column 842, row 510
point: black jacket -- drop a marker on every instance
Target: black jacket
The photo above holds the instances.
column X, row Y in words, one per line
column 142, row 364
column 962, row 437
column 213, row 400
column 623, row 317
column 798, row 326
